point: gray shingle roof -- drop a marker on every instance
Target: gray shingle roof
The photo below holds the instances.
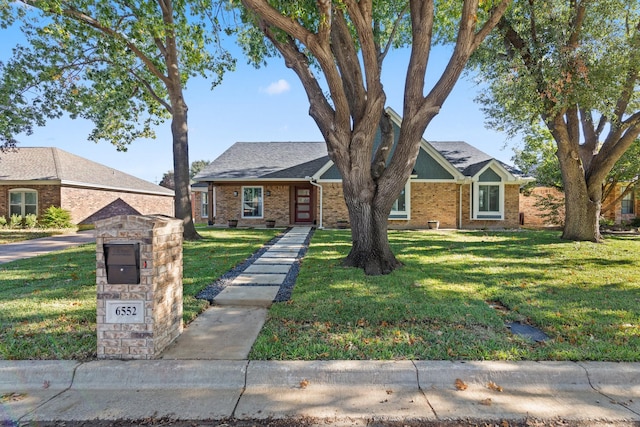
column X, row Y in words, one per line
column 297, row 160
column 267, row 160
column 467, row 158
column 54, row 164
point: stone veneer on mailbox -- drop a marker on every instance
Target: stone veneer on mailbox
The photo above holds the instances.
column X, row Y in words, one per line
column 160, row 286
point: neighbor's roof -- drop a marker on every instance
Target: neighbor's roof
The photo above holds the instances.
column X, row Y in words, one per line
column 54, row 164
column 266, row 160
column 467, row 158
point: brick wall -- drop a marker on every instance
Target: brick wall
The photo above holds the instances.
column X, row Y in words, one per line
column 48, row 195
column 84, row 203
column 533, row 215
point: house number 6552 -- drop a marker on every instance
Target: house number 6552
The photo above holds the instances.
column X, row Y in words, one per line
column 126, row 310
column 130, row 311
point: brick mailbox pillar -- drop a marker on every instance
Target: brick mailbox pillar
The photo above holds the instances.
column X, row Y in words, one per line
column 139, row 285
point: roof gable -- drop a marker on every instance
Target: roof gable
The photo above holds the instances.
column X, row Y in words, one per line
column 54, row 164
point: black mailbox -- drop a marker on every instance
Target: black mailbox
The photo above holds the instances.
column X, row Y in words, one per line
column 123, row 263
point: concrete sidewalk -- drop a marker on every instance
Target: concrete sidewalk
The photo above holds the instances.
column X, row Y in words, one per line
column 30, row 248
column 334, row 392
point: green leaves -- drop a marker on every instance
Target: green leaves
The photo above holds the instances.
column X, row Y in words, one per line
column 107, row 62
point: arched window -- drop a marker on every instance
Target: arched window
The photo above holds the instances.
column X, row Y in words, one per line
column 23, row 201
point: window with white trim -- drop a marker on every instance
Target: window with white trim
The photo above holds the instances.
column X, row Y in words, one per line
column 488, row 200
column 204, row 206
column 627, row 202
column 402, row 206
column 252, row 202
column 23, row 202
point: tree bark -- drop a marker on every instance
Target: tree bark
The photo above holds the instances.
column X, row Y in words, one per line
column 182, row 199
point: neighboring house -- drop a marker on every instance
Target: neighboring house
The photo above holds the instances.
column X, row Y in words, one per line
column 296, row 183
column 622, row 211
column 35, row 178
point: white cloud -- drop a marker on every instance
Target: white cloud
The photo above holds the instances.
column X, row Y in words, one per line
column 276, row 88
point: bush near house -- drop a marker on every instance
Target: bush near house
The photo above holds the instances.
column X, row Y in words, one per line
column 55, row 217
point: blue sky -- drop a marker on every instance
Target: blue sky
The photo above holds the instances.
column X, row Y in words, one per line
column 266, row 104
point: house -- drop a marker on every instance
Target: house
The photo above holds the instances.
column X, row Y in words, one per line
column 296, row 183
column 616, row 209
column 35, row 178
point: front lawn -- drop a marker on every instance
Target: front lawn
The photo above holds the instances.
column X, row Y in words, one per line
column 454, row 295
column 48, row 303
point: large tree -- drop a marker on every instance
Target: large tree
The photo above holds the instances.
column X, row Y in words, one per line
column 347, row 41
column 123, row 65
column 575, row 67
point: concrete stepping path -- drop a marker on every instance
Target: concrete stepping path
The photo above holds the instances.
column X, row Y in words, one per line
column 228, row 329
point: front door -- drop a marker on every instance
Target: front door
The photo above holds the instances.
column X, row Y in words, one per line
column 303, row 204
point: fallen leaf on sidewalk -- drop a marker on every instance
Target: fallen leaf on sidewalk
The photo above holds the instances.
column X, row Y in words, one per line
column 304, row 383
column 46, row 384
column 486, row 402
column 460, row 385
column 12, row 397
column 493, row 386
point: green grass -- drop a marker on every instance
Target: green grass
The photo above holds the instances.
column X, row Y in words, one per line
column 438, row 306
column 11, row 236
column 48, row 303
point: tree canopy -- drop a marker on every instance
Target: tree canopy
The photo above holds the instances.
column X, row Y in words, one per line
column 122, row 65
column 572, row 67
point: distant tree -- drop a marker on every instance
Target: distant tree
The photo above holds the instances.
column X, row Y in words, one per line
column 167, row 180
column 347, row 41
column 197, row 166
column 575, row 67
column 121, row 64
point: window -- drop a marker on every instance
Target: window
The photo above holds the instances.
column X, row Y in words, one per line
column 488, row 200
column 627, row 202
column 401, row 207
column 252, row 202
column 23, row 202
column 204, row 211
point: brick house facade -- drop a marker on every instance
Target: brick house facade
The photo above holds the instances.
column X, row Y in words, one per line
column 452, row 183
column 35, row 178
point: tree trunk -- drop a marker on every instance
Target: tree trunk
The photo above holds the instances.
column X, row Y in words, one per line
column 582, row 204
column 182, row 200
column 370, row 249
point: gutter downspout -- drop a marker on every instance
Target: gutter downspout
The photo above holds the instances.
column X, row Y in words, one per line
column 315, row 184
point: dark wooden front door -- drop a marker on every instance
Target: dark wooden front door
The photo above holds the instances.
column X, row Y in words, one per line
column 303, row 204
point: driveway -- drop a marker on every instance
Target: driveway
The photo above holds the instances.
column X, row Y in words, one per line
column 30, row 248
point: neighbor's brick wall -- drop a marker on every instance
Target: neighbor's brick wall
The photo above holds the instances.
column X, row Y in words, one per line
column 615, row 213
column 334, row 208
column 84, row 202
column 196, row 206
column 533, row 214
column 48, row 195
column 160, row 287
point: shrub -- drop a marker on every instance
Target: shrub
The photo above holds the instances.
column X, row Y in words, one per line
column 635, row 222
column 30, row 221
column 551, row 208
column 55, row 217
column 606, row 222
column 16, row 221
column 3, row 222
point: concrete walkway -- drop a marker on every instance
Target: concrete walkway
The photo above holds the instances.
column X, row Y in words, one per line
column 228, row 329
column 30, row 248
